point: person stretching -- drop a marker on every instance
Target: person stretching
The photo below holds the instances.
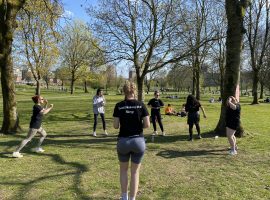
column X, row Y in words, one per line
column 131, row 116
column 35, row 125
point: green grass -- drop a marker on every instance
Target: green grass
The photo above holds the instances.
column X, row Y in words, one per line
column 78, row 166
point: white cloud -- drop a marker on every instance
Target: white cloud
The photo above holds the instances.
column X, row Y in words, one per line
column 68, row 14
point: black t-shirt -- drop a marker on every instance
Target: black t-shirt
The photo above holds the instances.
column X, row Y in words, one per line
column 36, row 118
column 193, row 108
column 155, row 103
column 233, row 116
column 130, row 113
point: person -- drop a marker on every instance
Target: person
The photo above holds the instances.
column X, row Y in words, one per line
column 98, row 109
column 267, row 100
column 169, row 110
column 155, row 104
column 232, row 122
column 183, row 112
column 131, row 116
column 39, row 109
column 192, row 108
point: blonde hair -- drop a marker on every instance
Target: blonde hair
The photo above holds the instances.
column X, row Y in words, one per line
column 130, row 88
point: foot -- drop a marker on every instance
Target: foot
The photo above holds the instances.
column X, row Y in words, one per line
column 190, row 139
column 39, row 150
column 105, row 133
column 231, row 152
column 155, row 133
column 199, row 137
column 236, row 148
column 163, row 133
column 17, row 154
column 94, row 134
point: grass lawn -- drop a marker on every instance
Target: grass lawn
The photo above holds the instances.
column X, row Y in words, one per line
column 76, row 165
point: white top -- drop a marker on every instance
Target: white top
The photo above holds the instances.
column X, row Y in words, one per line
column 98, row 104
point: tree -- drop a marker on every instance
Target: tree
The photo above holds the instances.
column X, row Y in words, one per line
column 8, row 13
column 258, row 40
column 78, row 49
column 38, row 35
column 235, row 11
column 148, row 34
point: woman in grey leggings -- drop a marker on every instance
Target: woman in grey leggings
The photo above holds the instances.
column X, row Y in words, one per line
column 131, row 116
column 35, row 125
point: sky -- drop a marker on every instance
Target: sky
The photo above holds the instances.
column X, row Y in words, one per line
column 75, row 9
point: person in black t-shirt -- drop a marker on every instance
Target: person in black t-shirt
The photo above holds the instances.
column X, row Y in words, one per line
column 35, row 125
column 232, row 122
column 192, row 108
column 131, row 116
column 155, row 105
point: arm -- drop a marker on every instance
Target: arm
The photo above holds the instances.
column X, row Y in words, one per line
column 230, row 104
column 146, row 122
column 204, row 115
column 44, row 111
column 116, row 122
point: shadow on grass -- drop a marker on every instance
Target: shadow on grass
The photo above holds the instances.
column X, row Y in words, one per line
column 26, row 186
column 176, row 154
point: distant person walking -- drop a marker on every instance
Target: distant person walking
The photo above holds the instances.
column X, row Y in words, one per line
column 155, row 105
column 131, row 116
column 39, row 109
column 98, row 109
column 192, row 108
column 232, row 122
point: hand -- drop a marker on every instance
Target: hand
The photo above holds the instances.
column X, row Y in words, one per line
column 45, row 101
column 51, row 105
column 204, row 116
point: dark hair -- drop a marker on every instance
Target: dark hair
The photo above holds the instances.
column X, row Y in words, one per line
column 169, row 104
column 36, row 98
column 98, row 91
column 191, row 101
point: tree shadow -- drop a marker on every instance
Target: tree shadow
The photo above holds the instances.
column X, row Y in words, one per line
column 26, row 186
column 169, row 154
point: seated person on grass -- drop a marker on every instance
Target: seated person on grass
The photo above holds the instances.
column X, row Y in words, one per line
column 169, row 110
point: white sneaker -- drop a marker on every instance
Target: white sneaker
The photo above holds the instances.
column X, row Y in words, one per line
column 155, row 133
column 105, row 133
column 17, row 154
column 163, row 133
column 231, row 152
column 39, row 150
column 94, row 134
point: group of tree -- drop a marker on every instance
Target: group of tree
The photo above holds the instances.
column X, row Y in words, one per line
column 152, row 36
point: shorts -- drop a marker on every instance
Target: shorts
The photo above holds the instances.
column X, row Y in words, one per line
column 193, row 118
column 131, row 147
column 233, row 124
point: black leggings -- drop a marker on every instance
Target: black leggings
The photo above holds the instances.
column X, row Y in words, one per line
column 103, row 121
column 191, row 129
column 155, row 115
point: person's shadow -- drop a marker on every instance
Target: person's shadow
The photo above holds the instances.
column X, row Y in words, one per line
column 169, row 154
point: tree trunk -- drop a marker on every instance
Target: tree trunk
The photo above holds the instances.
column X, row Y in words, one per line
column 194, row 81
column 140, row 85
column 262, row 87
column 198, row 84
column 38, row 87
column 255, row 86
column 85, row 87
column 8, row 12
column 234, row 48
column 72, row 83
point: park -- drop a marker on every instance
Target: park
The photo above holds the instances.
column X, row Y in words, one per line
column 211, row 50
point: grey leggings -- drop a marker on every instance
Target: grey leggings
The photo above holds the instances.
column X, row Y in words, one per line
column 31, row 133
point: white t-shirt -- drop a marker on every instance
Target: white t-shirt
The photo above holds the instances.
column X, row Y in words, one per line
column 98, row 104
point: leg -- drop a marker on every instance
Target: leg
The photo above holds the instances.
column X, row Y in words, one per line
column 153, row 118
column 159, row 121
column 31, row 133
column 43, row 134
column 103, row 121
column 95, row 122
column 134, row 180
column 124, row 179
column 190, row 130
column 198, row 129
column 231, row 138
